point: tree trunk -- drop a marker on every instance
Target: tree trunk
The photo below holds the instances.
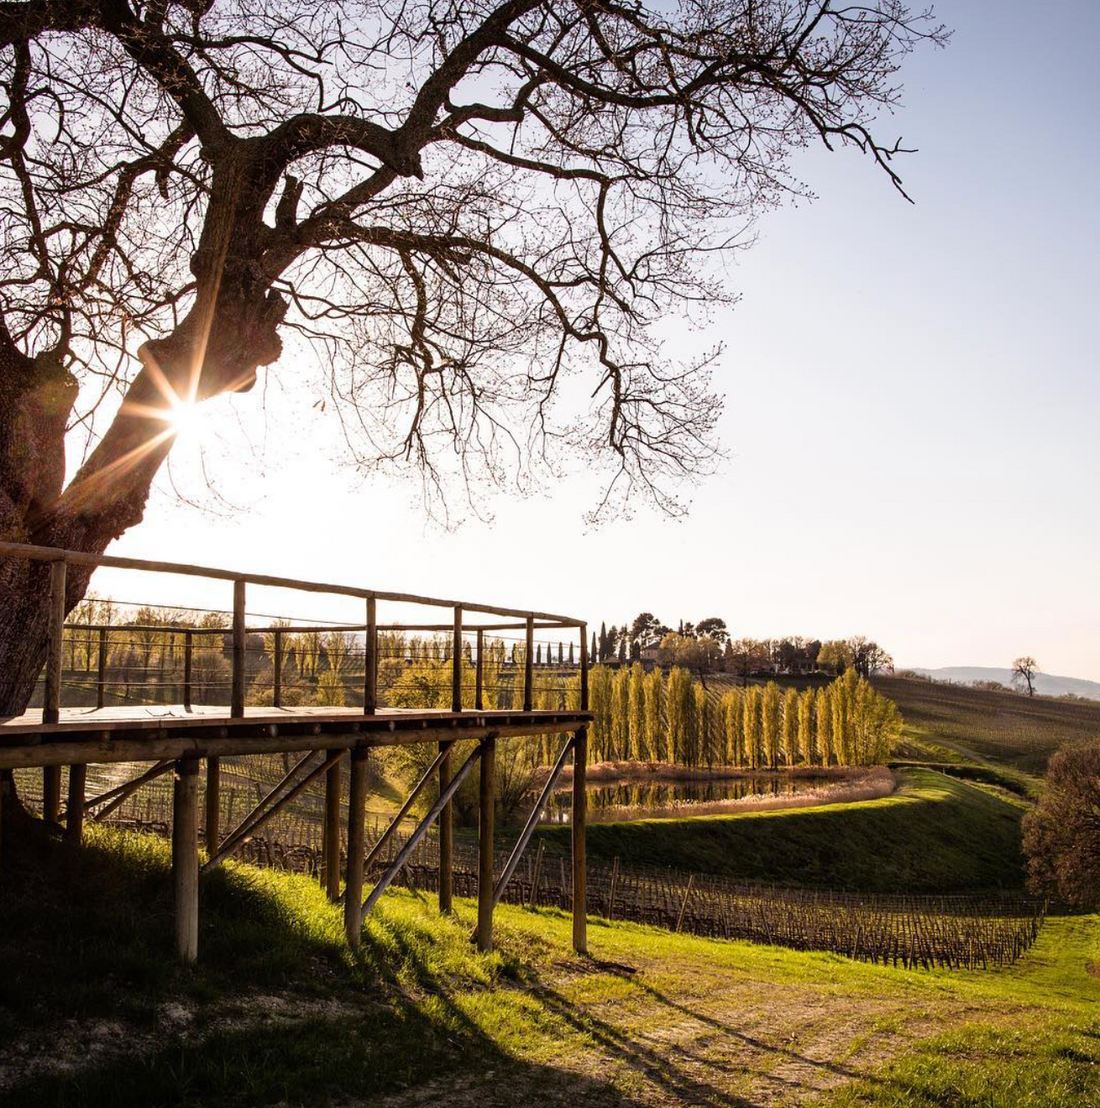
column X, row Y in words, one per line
column 107, row 496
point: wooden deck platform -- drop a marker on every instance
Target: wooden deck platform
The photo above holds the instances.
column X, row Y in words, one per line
column 151, row 732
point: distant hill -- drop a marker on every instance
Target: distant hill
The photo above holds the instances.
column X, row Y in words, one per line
column 1046, row 684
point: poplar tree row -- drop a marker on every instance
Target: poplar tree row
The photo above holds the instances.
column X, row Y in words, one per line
column 639, row 716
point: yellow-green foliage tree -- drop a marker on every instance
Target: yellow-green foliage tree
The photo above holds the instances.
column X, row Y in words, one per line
column 790, row 727
column 807, row 748
column 655, row 716
column 769, row 723
column 620, row 716
column 823, row 718
column 600, row 705
column 641, row 749
column 753, row 737
column 680, row 711
column 705, row 752
column 733, row 723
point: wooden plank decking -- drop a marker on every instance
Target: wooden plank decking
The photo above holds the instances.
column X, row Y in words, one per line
column 148, row 732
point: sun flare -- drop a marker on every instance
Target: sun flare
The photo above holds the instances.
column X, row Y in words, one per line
column 184, row 419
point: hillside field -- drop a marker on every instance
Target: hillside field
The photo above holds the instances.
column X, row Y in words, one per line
column 935, row 834
column 94, row 1010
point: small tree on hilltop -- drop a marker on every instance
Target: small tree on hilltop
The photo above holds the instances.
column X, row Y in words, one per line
column 1024, row 671
column 1062, row 833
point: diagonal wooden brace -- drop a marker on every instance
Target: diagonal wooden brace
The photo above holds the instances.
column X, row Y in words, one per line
column 532, row 822
column 405, row 852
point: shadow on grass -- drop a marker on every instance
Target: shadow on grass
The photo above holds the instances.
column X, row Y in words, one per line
column 95, row 1009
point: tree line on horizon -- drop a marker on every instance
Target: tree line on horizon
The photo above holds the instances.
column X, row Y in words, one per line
column 707, row 647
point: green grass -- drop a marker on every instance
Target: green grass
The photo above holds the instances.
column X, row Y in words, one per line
column 935, row 834
column 280, row 1011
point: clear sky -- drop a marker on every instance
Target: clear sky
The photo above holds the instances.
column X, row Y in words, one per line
column 912, row 408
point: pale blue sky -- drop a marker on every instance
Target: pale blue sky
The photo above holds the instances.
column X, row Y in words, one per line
column 912, row 407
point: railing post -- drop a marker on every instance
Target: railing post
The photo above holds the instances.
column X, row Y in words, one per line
column 529, row 666
column 485, row 847
column 236, row 708
column 185, row 857
column 277, row 671
column 370, row 660
column 456, row 662
column 479, row 672
column 353, row 883
column 188, row 652
column 101, row 669
column 51, row 691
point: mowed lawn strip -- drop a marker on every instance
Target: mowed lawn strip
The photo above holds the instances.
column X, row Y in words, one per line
column 95, row 1010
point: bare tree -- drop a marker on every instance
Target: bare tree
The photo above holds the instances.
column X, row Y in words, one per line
column 466, row 206
column 1024, row 670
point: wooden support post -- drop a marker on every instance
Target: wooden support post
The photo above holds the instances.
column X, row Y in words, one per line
column 51, row 794
column 446, row 834
column 212, row 825
column 580, row 818
column 485, row 847
column 370, row 660
column 236, row 707
column 277, row 671
column 479, row 672
column 188, row 652
column 584, row 668
column 101, row 669
column 185, row 857
column 353, row 885
column 456, row 662
column 529, row 666
column 330, row 841
column 74, row 812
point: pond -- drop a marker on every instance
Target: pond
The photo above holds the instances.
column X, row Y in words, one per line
column 631, row 798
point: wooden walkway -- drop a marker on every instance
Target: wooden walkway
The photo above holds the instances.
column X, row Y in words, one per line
column 179, row 738
column 135, row 733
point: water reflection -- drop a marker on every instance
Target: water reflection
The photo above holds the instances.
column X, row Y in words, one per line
column 639, row 799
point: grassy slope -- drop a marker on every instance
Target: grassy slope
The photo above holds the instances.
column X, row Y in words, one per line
column 280, row 1011
column 1004, row 728
column 935, row 834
